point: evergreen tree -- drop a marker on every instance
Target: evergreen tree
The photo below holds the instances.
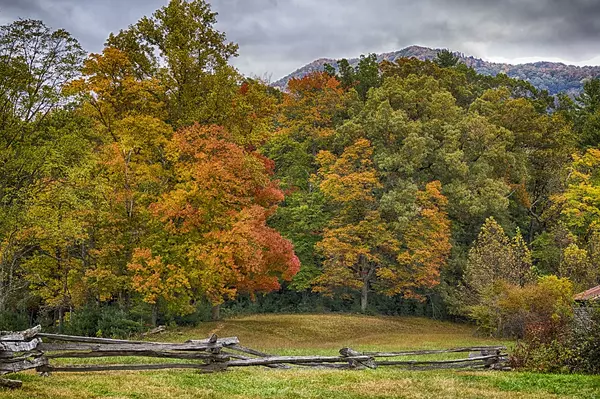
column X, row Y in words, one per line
column 446, row 59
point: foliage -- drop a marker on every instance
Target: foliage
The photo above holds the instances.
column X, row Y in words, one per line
column 551, row 357
column 579, row 207
column 216, row 211
column 493, row 262
column 446, row 59
column 362, row 76
column 575, row 349
column 103, row 321
column 179, row 44
column 154, row 179
column 39, row 144
column 539, row 312
column 426, row 247
column 358, row 242
column 582, row 196
column 495, row 257
column 586, row 340
column 587, row 114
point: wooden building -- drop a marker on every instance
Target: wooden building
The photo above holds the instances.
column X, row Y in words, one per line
column 593, row 294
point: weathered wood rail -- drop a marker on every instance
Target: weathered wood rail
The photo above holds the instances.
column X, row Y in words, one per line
column 32, row 349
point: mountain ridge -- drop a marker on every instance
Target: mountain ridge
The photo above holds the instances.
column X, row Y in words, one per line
column 556, row 77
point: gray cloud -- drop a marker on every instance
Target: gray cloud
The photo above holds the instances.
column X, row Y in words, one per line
column 278, row 36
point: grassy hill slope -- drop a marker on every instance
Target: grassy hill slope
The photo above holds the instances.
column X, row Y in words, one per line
column 334, row 331
column 306, row 334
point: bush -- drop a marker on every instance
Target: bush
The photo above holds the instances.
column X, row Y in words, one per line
column 116, row 323
column 102, row 321
column 543, row 309
column 551, row 357
column 576, row 348
column 586, row 341
column 540, row 311
column 83, row 321
column 13, row 321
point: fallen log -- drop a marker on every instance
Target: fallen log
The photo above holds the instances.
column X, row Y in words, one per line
column 436, row 351
column 154, row 331
column 351, row 353
column 140, row 353
column 20, row 336
column 133, row 367
column 478, row 359
column 10, row 383
column 136, row 347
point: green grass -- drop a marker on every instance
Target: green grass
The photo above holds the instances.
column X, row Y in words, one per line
column 316, row 334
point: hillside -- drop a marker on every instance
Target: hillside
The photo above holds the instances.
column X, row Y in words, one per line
column 552, row 76
column 330, row 332
column 311, row 334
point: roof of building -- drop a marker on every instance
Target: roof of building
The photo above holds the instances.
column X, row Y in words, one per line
column 592, row 293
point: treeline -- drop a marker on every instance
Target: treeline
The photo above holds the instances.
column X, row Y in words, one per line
column 154, row 183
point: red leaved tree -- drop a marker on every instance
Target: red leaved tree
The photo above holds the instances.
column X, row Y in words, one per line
column 217, row 211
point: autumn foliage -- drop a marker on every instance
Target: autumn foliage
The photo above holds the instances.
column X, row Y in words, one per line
column 217, row 207
column 426, row 247
column 361, row 249
column 153, row 178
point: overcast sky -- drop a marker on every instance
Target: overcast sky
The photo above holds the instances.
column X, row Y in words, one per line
column 278, row 36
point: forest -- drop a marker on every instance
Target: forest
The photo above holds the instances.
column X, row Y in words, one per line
column 154, row 184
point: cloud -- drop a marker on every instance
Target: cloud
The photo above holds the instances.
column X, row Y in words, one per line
column 279, row 36
column 90, row 21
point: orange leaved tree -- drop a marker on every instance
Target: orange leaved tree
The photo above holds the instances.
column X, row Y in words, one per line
column 425, row 247
column 362, row 250
column 358, row 242
column 216, row 211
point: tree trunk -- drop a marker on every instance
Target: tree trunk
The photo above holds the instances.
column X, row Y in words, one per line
column 304, row 297
column 215, row 312
column 154, row 314
column 364, row 294
column 61, row 317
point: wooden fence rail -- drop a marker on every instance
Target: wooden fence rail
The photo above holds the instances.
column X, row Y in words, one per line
column 32, row 349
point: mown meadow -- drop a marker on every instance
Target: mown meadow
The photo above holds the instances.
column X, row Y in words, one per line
column 310, row 334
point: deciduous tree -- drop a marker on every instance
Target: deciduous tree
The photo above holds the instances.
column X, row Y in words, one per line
column 217, row 210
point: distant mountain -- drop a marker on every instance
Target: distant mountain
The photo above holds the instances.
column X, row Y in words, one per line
column 555, row 77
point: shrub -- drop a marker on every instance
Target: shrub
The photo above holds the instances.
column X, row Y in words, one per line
column 586, row 342
column 539, row 311
column 574, row 347
column 83, row 321
column 102, row 321
column 542, row 310
column 116, row 323
column 13, row 321
column 550, row 357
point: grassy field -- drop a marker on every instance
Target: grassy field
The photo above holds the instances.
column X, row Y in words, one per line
column 316, row 334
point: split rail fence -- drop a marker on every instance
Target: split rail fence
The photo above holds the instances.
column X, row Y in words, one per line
column 32, row 349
